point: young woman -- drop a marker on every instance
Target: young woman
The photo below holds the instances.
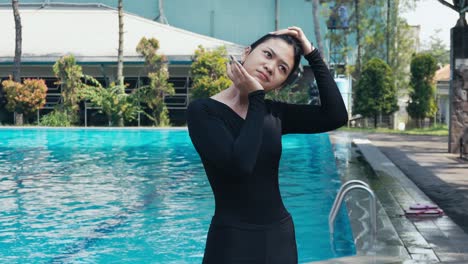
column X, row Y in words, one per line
column 237, row 134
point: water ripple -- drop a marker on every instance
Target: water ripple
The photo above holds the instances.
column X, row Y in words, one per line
column 90, row 196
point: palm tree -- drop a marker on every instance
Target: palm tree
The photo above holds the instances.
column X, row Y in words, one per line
column 161, row 18
column 120, row 78
column 17, row 59
column 120, row 51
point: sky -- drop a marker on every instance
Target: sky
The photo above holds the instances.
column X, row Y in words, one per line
column 432, row 15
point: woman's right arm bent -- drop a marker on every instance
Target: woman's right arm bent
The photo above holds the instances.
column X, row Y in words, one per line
column 215, row 143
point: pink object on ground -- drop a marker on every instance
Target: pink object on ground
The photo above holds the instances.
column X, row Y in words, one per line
column 419, row 206
column 427, row 212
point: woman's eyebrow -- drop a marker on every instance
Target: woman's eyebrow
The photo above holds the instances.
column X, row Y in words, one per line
column 281, row 60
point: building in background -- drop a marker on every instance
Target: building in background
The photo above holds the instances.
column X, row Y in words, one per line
column 90, row 33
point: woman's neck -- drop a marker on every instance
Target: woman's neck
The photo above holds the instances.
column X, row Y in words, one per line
column 236, row 97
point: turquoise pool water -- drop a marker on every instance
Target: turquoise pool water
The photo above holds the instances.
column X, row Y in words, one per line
column 140, row 196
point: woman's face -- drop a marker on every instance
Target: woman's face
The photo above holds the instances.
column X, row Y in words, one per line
column 270, row 62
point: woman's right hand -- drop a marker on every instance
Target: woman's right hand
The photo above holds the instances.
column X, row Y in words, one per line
column 241, row 78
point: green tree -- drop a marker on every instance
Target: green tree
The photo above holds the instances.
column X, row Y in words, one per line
column 69, row 76
column 153, row 94
column 367, row 26
column 316, row 22
column 422, row 94
column 297, row 94
column 386, row 35
column 208, row 71
column 375, row 93
column 25, row 98
column 438, row 49
column 111, row 102
column 376, row 30
column 400, row 55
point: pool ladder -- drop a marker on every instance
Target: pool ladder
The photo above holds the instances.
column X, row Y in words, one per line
column 344, row 190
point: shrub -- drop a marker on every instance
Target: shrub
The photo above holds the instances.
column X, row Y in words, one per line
column 24, row 98
column 56, row 119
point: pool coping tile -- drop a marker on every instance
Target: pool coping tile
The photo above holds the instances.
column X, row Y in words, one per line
column 404, row 239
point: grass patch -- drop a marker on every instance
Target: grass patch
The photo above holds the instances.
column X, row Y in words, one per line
column 439, row 130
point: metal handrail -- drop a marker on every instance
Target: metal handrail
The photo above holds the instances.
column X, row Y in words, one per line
column 340, row 192
column 345, row 189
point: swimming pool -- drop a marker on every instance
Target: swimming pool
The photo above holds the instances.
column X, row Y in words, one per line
column 141, row 196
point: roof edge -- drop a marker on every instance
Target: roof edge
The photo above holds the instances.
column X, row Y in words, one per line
column 41, row 60
column 136, row 16
column 59, row 4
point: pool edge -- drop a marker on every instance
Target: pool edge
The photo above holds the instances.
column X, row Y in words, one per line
column 399, row 239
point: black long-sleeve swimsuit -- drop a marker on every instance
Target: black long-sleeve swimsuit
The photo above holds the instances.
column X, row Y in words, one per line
column 241, row 159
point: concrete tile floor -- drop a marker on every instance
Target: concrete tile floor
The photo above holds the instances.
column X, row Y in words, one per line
column 400, row 239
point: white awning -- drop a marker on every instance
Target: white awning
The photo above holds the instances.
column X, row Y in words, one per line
column 90, row 33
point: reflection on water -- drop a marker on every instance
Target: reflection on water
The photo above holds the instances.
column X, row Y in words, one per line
column 136, row 196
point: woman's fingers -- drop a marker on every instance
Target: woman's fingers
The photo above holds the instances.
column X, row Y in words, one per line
column 293, row 31
column 236, row 70
column 241, row 69
column 306, row 45
column 229, row 71
column 241, row 78
column 285, row 31
column 236, row 73
column 299, row 35
column 297, row 29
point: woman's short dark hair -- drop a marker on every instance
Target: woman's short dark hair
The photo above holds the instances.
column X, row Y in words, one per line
column 294, row 74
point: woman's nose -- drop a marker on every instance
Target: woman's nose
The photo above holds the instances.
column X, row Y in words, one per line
column 268, row 68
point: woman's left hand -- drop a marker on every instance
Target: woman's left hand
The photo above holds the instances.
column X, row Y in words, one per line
column 297, row 33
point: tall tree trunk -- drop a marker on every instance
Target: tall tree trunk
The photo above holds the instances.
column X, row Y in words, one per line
column 388, row 33
column 17, row 59
column 120, row 78
column 358, row 38
column 162, row 17
column 315, row 16
column 276, row 14
column 120, row 51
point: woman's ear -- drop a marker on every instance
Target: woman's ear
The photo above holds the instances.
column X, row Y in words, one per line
column 247, row 51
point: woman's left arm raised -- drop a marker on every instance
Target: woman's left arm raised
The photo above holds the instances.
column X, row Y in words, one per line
column 331, row 114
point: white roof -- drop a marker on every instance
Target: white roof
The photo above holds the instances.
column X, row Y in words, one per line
column 90, row 33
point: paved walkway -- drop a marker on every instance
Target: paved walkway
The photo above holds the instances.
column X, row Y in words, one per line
column 440, row 175
column 407, row 170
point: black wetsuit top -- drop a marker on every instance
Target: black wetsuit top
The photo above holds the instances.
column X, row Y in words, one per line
column 241, row 157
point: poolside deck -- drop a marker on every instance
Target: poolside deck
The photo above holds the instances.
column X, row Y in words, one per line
column 407, row 170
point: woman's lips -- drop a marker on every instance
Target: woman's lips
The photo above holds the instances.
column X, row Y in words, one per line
column 263, row 76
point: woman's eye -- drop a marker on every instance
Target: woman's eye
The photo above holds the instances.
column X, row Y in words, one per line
column 267, row 53
column 283, row 69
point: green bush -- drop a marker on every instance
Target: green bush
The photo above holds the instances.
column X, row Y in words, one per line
column 422, row 101
column 375, row 92
column 208, row 71
column 56, row 119
column 153, row 94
